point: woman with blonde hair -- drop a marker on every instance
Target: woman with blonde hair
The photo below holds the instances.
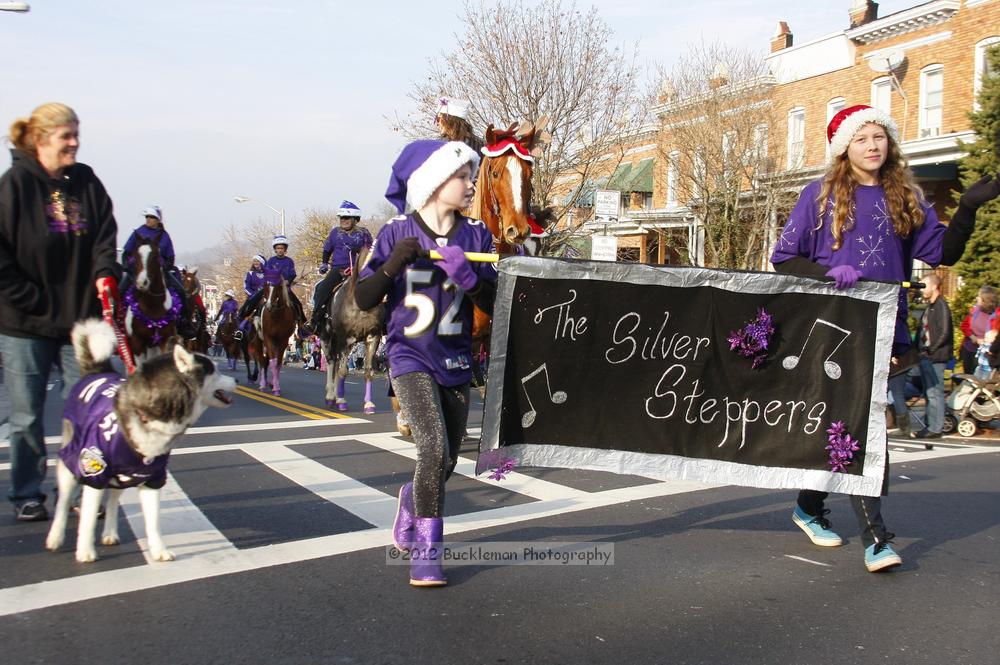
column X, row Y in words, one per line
column 57, row 250
column 866, row 217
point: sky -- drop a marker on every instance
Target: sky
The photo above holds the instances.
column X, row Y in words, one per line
column 189, row 104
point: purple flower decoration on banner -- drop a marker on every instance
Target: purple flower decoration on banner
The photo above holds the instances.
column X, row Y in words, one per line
column 752, row 340
column 500, row 473
column 501, row 466
column 842, row 446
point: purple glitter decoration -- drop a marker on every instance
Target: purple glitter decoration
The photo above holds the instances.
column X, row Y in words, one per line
column 842, row 447
column 172, row 315
column 752, row 340
column 503, row 465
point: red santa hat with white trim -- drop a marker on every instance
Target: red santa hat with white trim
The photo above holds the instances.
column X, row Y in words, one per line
column 848, row 122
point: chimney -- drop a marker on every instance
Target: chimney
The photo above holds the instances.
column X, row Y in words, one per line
column 863, row 11
column 782, row 37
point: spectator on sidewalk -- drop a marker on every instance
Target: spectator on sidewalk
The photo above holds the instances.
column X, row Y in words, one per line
column 934, row 343
column 981, row 317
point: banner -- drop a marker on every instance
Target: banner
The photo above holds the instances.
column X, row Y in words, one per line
column 743, row 378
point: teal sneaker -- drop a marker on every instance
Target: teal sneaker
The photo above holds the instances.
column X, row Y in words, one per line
column 817, row 528
column 881, row 556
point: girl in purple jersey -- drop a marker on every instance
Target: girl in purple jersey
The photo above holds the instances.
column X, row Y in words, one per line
column 429, row 310
column 867, row 218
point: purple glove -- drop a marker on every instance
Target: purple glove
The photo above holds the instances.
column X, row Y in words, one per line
column 457, row 266
column 844, row 277
column 323, row 267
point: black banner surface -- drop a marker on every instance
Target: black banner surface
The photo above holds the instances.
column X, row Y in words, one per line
column 630, row 368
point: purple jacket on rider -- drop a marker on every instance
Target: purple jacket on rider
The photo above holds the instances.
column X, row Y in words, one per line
column 283, row 264
column 341, row 244
column 253, row 282
column 229, row 306
column 146, row 233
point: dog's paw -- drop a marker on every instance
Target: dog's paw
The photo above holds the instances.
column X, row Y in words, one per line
column 110, row 539
column 86, row 556
column 54, row 542
column 162, row 555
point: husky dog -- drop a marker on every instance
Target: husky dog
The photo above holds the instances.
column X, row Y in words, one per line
column 118, row 433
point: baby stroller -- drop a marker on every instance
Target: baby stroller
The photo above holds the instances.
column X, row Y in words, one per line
column 975, row 400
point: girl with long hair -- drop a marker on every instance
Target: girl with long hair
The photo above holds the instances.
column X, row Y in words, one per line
column 867, row 217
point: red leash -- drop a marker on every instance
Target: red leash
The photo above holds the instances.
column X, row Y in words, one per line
column 107, row 292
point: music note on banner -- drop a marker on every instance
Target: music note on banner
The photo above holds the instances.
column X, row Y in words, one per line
column 557, row 397
column 831, row 368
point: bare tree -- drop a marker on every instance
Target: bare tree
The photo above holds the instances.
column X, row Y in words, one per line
column 716, row 113
column 518, row 62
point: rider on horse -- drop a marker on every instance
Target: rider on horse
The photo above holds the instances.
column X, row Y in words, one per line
column 284, row 265
column 148, row 231
column 252, row 283
column 339, row 250
column 227, row 310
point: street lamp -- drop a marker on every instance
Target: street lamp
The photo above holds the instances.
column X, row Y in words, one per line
column 19, row 7
column 244, row 199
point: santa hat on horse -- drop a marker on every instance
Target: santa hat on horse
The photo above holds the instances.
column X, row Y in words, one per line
column 422, row 167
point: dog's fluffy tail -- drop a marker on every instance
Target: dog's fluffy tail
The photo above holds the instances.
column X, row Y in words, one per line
column 94, row 344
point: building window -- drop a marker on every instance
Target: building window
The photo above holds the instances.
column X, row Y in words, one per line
column 796, row 138
column 673, row 161
column 700, row 174
column 982, row 67
column 647, row 201
column 833, row 107
column 882, row 94
column 758, row 153
column 728, row 158
column 931, row 100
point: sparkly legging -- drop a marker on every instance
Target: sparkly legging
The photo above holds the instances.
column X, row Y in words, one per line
column 437, row 416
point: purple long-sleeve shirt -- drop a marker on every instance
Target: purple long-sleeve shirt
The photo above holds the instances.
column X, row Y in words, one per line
column 871, row 245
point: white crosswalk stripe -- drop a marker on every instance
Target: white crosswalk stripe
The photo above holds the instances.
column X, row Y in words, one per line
column 204, row 551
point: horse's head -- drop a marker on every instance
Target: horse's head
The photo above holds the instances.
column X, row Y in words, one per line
column 505, row 179
column 190, row 281
column 275, row 289
column 147, row 265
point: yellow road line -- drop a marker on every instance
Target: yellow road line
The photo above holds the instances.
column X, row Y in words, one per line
column 289, row 405
column 300, row 405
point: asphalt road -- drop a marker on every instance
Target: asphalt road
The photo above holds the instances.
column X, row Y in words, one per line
column 280, row 515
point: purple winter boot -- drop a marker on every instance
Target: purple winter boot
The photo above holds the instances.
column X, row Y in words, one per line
column 402, row 528
column 427, row 551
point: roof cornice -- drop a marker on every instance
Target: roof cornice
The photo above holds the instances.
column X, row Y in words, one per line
column 915, row 18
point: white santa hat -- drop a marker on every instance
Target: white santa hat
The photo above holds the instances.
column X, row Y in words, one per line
column 456, row 107
column 348, row 209
column 848, row 122
column 422, row 167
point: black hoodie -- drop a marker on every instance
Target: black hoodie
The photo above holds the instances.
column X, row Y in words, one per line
column 57, row 236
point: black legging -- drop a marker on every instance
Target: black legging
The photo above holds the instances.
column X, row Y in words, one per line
column 437, row 416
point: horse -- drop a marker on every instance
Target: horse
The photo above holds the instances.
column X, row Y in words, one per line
column 192, row 288
column 226, row 336
column 345, row 325
column 503, row 203
column 274, row 326
column 152, row 308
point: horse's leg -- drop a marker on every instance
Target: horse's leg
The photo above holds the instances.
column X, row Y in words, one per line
column 371, row 345
column 262, row 364
column 331, row 374
column 341, row 380
column 275, row 365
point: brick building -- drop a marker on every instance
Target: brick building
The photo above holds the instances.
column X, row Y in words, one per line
column 922, row 64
